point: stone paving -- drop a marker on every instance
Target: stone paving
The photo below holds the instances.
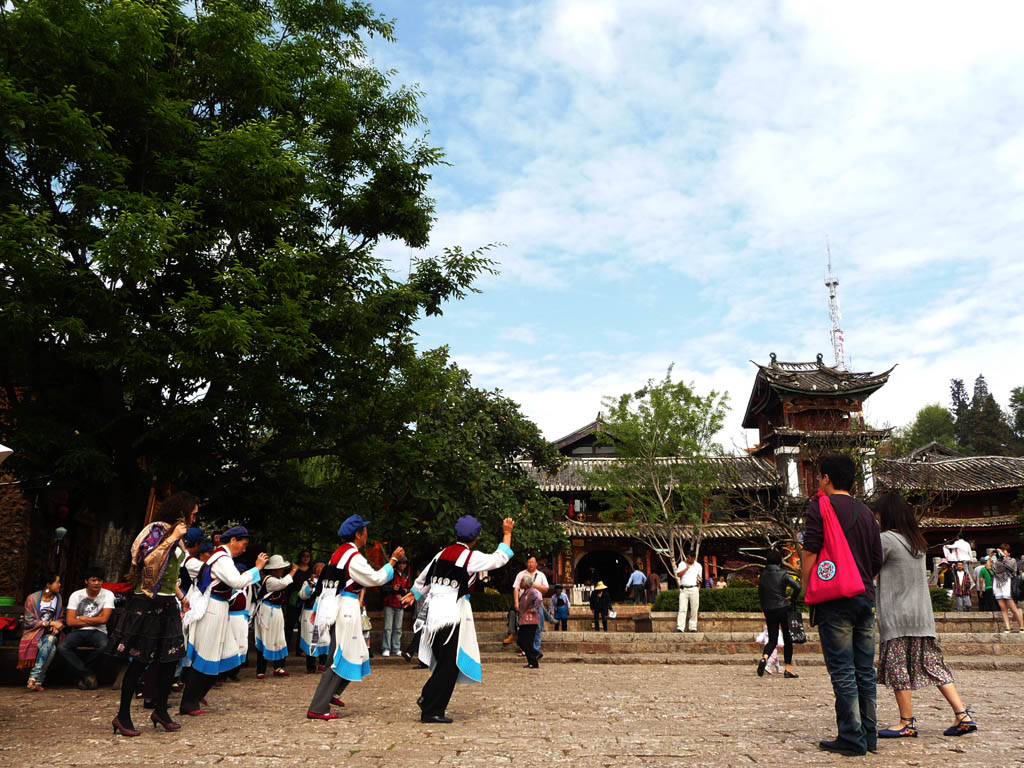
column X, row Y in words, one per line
column 559, row 715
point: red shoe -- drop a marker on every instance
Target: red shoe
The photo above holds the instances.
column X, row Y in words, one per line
column 260, row 676
column 337, row 702
column 321, row 668
column 310, row 671
column 218, row 684
column 317, row 716
column 194, row 713
column 280, row 673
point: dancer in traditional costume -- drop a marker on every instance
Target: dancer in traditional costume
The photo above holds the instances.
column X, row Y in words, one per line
column 448, row 644
column 239, row 605
column 311, row 643
column 212, row 646
column 271, row 644
column 147, row 631
column 342, row 579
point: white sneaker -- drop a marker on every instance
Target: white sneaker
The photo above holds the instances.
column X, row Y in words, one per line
column 385, row 653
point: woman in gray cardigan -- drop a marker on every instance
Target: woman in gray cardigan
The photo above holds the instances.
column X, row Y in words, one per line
column 909, row 656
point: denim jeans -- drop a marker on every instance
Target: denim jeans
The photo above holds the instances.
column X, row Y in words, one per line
column 847, row 631
column 44, row 655
column 91, row 638
column 540, row 631
column 962, row 602
column 392, row 640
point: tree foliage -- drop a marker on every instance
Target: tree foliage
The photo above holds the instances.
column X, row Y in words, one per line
column 933, row 423
column 668, row 473
column 980, row 425
column 190, row 196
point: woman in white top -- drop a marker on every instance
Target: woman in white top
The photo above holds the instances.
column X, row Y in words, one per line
column 1002, row 583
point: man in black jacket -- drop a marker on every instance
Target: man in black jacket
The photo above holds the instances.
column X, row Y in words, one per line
column 775, row 605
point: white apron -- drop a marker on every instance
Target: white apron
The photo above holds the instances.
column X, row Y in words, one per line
column 212, row 646
column 269, row 632
column 307, row 644
column 351, row 656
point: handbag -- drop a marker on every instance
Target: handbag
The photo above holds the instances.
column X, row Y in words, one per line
column 835, row 574
column 1017, row 586
column 796, row 627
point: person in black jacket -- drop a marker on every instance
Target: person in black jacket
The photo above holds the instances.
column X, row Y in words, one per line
column 600, row 605
column 775, row 605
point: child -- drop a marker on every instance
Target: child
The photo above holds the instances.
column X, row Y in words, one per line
column 773, row 660
column 560, row 606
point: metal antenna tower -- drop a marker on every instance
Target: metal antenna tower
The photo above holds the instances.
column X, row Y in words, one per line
column 832, row 282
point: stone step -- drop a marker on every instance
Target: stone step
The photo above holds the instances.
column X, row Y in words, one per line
column 801, row 660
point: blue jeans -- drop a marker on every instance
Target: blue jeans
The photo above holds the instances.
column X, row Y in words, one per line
column 91, row 638
column 540, row 630
column 392, row 640
column 44, row 655
column 847, row 631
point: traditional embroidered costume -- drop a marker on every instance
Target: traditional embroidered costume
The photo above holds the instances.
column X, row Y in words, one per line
column 238, row 615
column 271, row 644
column 448, row 643
column 340, row 583
column 212, row 646
column 311, row 642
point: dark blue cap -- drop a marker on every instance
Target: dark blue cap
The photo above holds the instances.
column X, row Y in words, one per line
column 193, row 536
column 242, row 567
column 205, row 547
column 236, row 532
column 467, row 527
column 352, row 525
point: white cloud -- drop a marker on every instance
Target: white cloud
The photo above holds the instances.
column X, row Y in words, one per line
column 672, row 170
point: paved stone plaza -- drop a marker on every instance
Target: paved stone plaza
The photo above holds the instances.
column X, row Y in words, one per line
column 562, row 714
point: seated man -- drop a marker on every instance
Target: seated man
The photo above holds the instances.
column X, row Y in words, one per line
column 88, row 612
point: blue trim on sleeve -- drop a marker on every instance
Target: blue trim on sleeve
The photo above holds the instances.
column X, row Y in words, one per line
column 416, row 593
column 390, row 570
column 503, row 547
column 254, row 575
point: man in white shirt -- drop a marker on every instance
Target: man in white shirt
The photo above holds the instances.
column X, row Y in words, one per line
column 689, row 574
column 88, row 612
column 957, row 552
column 540, row 583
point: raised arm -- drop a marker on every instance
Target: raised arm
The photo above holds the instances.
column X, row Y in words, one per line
column 223, row 569
column 275, row 584
column 481, row 563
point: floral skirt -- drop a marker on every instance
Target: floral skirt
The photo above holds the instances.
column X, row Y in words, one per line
column 148, row 630
column 909, row 663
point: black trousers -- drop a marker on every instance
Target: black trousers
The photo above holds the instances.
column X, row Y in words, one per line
column 413, row 648
column 603, row 618
column 639, row 594
column 438, row 689
column 525, row 636
column 197, row 685
column 779, row 617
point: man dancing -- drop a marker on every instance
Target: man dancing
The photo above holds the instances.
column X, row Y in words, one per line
column 338, row 603
column 448, row 643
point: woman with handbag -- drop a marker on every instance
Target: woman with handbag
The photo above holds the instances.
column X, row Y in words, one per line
column 909, row 656
column 1002, row 585
column 775, row 604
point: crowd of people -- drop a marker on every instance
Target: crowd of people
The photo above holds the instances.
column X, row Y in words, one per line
column 186, row 624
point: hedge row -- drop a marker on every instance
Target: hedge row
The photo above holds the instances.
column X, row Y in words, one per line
column 745, row 600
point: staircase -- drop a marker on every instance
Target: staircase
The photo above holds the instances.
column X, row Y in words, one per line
column 968, row 641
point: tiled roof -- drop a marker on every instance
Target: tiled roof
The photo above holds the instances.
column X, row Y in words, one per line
column 733, row 530
column 819, row 378
column 832, row 434
column 997, row 521
column 966, row 474
column 752, row 472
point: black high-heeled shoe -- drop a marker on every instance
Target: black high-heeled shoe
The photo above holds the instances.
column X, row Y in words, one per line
column 118, row 728
column 168, row 724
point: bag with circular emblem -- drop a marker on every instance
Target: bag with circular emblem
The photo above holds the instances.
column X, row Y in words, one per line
column 835, row 573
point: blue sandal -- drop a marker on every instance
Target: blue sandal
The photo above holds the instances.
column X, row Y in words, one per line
column 907, row 731
column 966, row 724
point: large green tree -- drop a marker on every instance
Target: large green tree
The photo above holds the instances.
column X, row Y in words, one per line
column 190, row 196
column 933, row 423
column 981, row 427
column 669, row 474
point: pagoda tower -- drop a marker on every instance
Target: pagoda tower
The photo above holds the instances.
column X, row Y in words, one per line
column 805, row 410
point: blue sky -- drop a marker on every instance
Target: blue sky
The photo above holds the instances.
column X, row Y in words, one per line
column 665, row 175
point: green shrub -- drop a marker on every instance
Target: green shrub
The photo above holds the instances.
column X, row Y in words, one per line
column 733, row 600
column 738, row 582
column 482, row 602
column 941, row 602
